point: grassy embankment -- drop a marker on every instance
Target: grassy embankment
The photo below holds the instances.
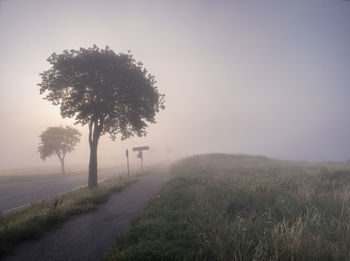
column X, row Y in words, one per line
column 32, row 222
column 235, row 207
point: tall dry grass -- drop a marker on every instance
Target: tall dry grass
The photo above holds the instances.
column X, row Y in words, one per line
column 261, row 209
column 244, row 208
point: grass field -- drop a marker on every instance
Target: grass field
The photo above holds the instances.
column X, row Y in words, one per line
column 236, row 207
column 32, row 222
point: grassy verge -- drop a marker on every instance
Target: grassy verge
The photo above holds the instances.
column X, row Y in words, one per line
column 233, row 207
column 32, row 222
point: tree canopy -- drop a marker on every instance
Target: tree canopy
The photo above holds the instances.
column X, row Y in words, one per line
column 58, row 141
column 110, row 92
column 98, row 85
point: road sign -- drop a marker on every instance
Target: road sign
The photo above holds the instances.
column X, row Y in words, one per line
column 140, row 148
column 140, row 154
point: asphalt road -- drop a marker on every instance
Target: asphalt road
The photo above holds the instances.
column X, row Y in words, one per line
column 17, row 194
column 89, row 236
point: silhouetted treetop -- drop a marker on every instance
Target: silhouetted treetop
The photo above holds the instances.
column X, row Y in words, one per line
column 112, row 93
column 98, row 86
column 58, row 141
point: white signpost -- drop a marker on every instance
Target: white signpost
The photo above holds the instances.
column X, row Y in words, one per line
column 140, row 154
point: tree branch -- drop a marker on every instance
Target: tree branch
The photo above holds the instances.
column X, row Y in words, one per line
column 58, row 155
column 100, row 125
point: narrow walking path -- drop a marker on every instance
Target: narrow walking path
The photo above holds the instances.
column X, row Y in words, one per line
column 89, row 236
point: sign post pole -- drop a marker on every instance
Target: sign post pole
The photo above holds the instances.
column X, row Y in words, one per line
column 140, row 154
column 127, row 160
column 141, row 162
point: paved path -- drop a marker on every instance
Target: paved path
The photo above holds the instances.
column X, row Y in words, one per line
column 16, row 194
column 88, row 237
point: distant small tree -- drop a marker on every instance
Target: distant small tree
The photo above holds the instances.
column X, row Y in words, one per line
column 58, row 141
column 111, row 93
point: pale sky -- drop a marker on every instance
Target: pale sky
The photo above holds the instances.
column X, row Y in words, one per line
column 255, row 77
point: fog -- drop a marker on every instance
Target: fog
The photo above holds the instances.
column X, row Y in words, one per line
column 254, row 77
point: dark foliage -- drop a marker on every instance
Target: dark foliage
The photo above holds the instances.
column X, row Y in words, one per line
column 110, row 92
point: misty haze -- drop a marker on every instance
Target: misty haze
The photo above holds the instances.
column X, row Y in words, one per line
column 174, row 130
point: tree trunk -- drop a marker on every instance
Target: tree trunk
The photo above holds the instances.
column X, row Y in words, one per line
column 95, row 129
column 93, row 165
column 63, row 171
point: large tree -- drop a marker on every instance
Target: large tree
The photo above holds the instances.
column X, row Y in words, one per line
column 109, row 92
column 58, row 141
